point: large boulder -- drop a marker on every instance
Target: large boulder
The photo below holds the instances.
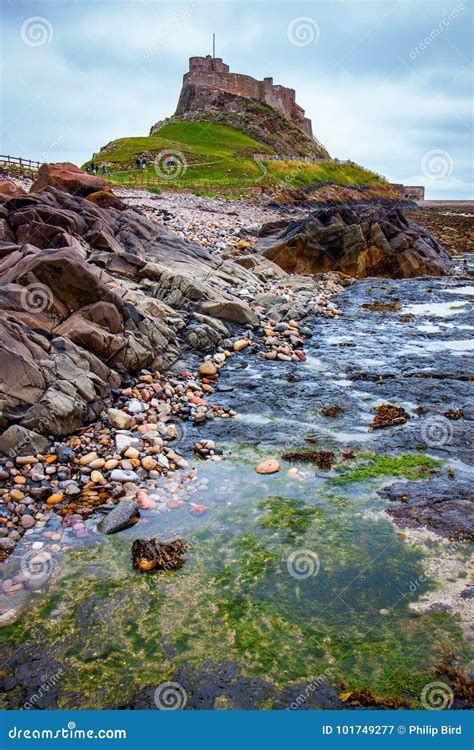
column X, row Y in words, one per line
column 17, row 440
column 237, row 312
column 361, row 240
column 68, row 177
column 9, row 190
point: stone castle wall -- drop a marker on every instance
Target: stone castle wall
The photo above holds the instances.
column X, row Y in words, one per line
column 212, row 73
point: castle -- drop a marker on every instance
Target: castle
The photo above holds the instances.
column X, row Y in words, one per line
column 212, row 74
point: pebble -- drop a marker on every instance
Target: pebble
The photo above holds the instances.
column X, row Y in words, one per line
column 88, row 458
column 269, row 466
column 9, row 617
column 27, row 522
column 240, row 344
column 54, row 499
column 207, row 369
column 119, row 419
column 118, row 475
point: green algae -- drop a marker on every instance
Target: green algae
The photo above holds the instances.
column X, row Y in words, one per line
column 116, row 632
column 371, row 466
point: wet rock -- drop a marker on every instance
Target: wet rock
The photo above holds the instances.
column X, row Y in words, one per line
column 17, row 440
column 207, row 369
column 360, row 240
column 238, row 312
column 119, row 419
column 9, row 617
column 123, row 515
column 7, row 544
column 120, row 475
column 443, row 506
column 269, row 466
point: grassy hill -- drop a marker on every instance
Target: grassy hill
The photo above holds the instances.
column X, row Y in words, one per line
column 209, row 156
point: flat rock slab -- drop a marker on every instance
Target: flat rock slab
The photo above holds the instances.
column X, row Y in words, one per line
column 442, row 505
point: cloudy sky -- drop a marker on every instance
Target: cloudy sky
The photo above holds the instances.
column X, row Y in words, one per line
column 387, row 83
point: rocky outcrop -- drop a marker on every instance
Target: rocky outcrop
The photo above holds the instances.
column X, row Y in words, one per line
column 90, row 294
column 360, row 240
column 256, row 119
column 68, row 177
column 445, row 506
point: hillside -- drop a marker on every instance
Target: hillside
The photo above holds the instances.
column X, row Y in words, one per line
column 256, row 119
column 209, row 155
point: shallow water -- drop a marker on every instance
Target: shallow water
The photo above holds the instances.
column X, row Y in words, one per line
column 288, row 577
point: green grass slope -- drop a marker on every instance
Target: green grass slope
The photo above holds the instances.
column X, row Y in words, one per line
column 211, row 156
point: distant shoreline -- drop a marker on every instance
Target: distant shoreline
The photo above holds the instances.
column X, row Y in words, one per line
column 448, row 203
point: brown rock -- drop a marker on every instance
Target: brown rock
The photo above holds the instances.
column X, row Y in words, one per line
column 207, row 369
column 68, row 177
column 106, row 199
column 269, row 466
column 240, row 344
column 361, row 240
column 9, row 190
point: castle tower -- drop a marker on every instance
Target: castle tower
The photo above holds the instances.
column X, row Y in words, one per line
column 213, row 74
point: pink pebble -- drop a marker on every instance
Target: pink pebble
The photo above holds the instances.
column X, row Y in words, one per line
column 198, row 510
column 145, row 501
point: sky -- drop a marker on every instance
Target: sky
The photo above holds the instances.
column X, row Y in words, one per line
column 387, row 83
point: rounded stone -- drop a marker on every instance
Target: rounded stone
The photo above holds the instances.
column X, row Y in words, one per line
column 269, row 466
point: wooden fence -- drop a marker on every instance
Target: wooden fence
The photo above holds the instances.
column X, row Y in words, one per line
column 148, row 181
column 19, row 161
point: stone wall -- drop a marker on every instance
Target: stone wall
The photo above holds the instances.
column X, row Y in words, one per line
column 212, row 73
column 410, row 192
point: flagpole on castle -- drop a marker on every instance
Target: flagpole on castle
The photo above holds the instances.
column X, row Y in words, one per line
column 213, row 46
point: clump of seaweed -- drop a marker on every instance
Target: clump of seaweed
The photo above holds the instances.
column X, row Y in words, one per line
column 376, row 306
column 322, row 459
column 366, row 697
column 150, row 555
column 454, row 414
column 462, row 686
column 331, row 411
column 388, row 415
